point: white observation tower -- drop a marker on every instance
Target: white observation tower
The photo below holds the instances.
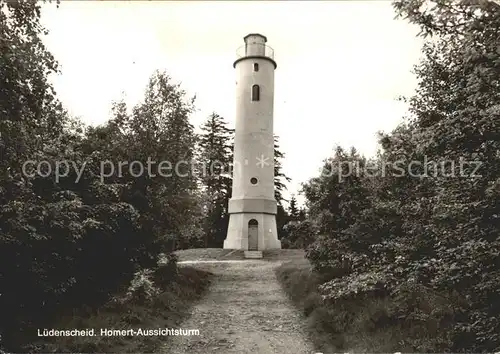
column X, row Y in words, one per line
column 252, row 208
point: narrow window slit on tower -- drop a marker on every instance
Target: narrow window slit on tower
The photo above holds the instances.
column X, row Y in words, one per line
column 255, row 67
column 255, row 93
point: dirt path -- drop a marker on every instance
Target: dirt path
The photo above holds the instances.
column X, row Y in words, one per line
column 245, row 311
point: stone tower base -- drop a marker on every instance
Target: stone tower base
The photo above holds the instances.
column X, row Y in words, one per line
column 237, row 234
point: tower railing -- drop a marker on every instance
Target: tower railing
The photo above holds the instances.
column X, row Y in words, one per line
column 255, row 49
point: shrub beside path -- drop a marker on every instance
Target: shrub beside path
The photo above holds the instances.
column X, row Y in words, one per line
column 245, row 311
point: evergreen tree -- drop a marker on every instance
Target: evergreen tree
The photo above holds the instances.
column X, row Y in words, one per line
column 280, row 179
column 282, row 218
column 302, row 215
column 293, row 210
column 215, row 158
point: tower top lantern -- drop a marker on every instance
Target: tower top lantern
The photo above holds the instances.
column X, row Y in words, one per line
column 255, row 47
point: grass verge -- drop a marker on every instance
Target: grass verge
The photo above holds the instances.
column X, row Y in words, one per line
column 300, row 284
column 166, row 309
column 416, row 321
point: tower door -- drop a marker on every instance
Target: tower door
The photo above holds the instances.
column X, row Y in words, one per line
column 253, row 235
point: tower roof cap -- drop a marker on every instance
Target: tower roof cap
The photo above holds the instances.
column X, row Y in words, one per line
column 255, row 34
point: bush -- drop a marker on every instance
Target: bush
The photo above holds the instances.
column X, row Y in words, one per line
column 299, row 234
column 142, row 289
column 364, row 316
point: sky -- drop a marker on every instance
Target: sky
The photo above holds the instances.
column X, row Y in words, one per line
column 341, row 64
